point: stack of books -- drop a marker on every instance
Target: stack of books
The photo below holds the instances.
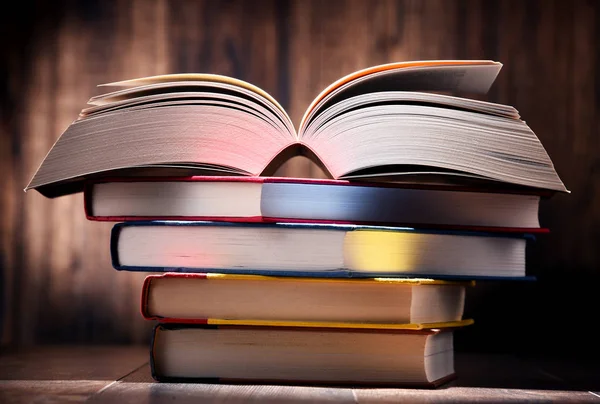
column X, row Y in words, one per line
column 360, row 278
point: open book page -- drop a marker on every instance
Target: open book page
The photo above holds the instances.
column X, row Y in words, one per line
column 390, row 139
column 198, row 134
column 170, row 78
column 475, row 76
column 375, row 100
column 191, row 92
column 198, row 94
column 385, row 121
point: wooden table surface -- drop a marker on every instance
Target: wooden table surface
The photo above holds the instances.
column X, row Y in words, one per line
column 115, row 374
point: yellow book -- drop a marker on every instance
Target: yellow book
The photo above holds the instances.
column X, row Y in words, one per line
column 253, row 300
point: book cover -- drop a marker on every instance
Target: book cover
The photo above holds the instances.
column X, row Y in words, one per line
column 333, row 202
column 206, row 298
column 158, row 355
column 369, row 262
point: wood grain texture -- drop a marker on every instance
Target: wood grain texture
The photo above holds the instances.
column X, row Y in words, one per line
column 64, row 374
column 473, row 395
column 72, row 362
column 117, row 374
column 57, row 283
column 49, row 391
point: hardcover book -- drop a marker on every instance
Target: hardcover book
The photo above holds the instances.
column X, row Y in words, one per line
column 393, row 122
column 314, row 250
column 200, row 298
column 297, row 355
column 272, row 199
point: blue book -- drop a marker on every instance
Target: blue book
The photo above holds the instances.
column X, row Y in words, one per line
column 316, row 250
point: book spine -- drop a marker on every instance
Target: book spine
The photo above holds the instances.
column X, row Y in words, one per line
column 87, row 200
column 114, row 243
column 144, row 298
column 155, row 375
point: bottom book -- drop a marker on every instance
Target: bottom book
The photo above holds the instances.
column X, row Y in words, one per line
column 297, row 355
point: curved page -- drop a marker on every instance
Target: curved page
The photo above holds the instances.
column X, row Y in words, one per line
column 432, row 74
column 169, row 78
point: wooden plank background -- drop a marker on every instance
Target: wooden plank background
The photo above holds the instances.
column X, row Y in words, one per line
column 57, row 281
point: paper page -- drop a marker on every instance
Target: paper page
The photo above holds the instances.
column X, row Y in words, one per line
column 433, row 75
column 168, row 78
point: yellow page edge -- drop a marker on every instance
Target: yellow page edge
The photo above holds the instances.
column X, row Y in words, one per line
column 404, row 281
column 165, row 78
column 380, row 68
column 333, row 324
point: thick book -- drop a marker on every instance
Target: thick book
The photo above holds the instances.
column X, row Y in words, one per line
column 298, row 355
column 401, row 122
column 273, row 199
column 199, row 298
column 314, row 250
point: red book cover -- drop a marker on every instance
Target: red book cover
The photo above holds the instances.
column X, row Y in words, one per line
column 88, row 195
column 146, row 288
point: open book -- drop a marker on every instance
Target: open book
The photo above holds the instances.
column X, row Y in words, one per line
column 392, row 122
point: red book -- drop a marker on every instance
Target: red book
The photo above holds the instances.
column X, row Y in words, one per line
column 278, row 199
